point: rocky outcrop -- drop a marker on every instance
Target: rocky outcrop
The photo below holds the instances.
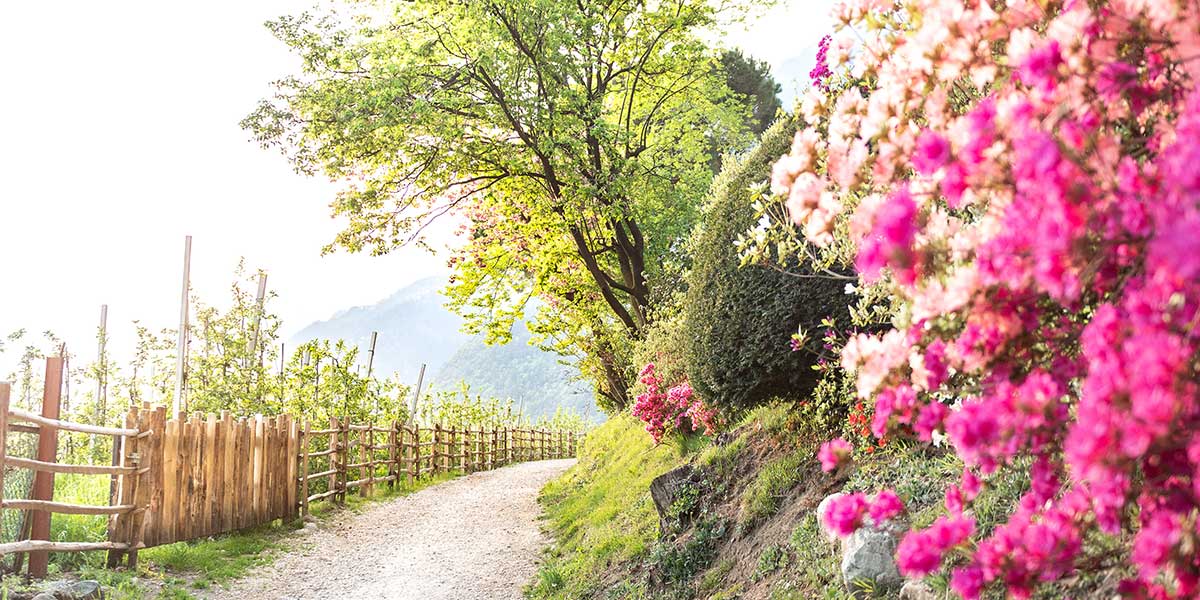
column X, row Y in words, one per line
column 868, row 558
column 667, row 488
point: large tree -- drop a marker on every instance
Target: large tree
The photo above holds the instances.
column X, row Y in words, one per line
column 572, row 138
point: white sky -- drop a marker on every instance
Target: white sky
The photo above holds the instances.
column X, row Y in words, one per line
column 119, row 136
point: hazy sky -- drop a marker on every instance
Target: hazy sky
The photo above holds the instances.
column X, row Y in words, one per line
column 119, row 136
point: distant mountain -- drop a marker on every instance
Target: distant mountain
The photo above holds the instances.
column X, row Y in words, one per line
column 415, row 327
column 535, row 379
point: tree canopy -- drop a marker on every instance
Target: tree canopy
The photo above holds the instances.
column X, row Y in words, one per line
column 572, row 139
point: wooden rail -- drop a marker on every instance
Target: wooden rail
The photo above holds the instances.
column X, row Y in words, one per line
column 132, row 471
column 188, row 477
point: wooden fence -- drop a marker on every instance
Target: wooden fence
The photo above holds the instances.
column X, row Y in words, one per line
column 185, row 478
column 363, row 456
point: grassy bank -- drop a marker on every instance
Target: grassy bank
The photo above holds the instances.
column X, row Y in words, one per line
column 600, row 510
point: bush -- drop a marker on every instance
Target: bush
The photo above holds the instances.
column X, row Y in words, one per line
column 740, row 320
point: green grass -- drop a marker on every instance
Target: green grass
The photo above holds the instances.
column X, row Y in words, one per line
column 601, row 511
column 772, row 483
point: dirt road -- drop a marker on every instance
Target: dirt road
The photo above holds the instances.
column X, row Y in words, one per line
column 476, row 537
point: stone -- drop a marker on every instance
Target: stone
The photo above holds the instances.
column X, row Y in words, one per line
column 45, row 596
column 868, row 556
column 84, row 589
column 915, row 589
column 827, row 533
column 666, row 488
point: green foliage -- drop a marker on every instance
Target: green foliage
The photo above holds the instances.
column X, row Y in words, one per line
column 773, row 481
column 814, row 573
column 573, row 136
column 752, row 78
column 740, row 320
column 677, row 562
column 771, row 560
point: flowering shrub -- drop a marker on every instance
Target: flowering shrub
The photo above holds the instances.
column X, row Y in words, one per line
column 1021, row 177
column 676, row 410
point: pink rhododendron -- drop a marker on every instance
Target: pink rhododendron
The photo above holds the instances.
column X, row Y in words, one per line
column 844, row 514
column 834, row 454
column 1035, row 217
column 886, row 505
column 675, row 410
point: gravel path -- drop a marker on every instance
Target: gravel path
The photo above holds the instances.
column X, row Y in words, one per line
column 475, row 537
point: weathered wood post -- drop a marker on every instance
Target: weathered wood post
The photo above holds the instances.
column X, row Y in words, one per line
column 365, row 469
column 343, row 459
column 416, row 462
column 302, row 457
column 5, row 392
column 43, row 481
column 494, row 441
column 150, row 425
column 435, row 463
column 393, row 471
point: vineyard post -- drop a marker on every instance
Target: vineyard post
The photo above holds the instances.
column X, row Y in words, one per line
column 181, row 347
column 43, row 481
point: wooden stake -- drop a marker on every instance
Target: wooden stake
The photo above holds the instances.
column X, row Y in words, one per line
column 43, row 482
column 417, row 394
column 181, row 347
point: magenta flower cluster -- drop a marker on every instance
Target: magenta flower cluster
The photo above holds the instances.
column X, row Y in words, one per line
column 845, row 514
column 820, row 70
column 834, row 454
column 676, row 410
column 1043, row 246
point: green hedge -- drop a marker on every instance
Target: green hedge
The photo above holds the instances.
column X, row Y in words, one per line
column 739, row 320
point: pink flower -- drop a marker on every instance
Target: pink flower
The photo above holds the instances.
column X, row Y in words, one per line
column 844, row 515
column 884, row 506
column 933, row 152
column 890, row 243
column 834, row 454
column 920, row 552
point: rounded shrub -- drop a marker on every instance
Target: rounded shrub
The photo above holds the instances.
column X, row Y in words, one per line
column 740, row 320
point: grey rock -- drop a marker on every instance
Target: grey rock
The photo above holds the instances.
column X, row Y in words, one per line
column 826, row 532
column 867, row 556
column 915, row 589
column 666, row 488
column 85, row 589
column 45, row 596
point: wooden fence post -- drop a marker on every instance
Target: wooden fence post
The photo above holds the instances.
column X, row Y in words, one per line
column 492, row 449
column 333, row 457
column 364, row 460
column 436, row 456
column 343, row 459
column 416, row 462
column 303, row 458
column 5, row 391
column 393, row 471
column 43, row 482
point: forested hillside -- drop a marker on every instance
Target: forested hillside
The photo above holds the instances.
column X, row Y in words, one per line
column 415, row 327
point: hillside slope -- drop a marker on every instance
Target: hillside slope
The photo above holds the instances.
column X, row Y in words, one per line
column 745, row 526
